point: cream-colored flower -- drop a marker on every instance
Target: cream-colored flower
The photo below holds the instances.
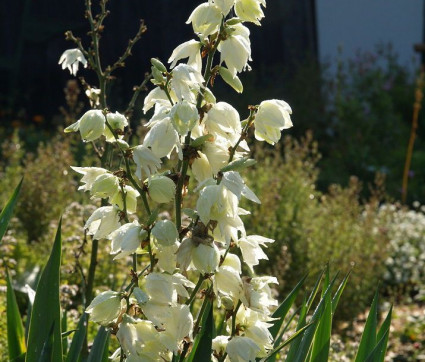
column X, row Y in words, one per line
column 272, row 117
column 71, row 58
column 250, row 10
column 146, row 161
column 89, row 176
column 242, row 349
column 236, row 49
column 102, row 222
column 205, row 19
column 105, row 308
column 190, row 49
column 161, row 189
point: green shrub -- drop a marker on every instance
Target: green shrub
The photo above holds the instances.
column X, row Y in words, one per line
column 312, row 228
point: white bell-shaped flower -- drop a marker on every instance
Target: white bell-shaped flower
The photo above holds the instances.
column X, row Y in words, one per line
column 91, row 125
column 206, row 257
column 105, row 308
column 162, row 139
column 145, row 161
column 89, row 176
column 127, row 239
column 71, row 58
column 190, row 49
column 118, row 122
column 131, row 196
column 161, row 189
column 154, row 97
column 250, row 10
column 272, row 117
column 201, row 167
column 242, row 349
column 165, row 232
column 251, row 249
column 106, row 185
column 186, row 82
column 177, row 327
column 140, row 340
column 258, row 295
column 236, row 49
column 224, row 5
column 206, row 19
column 102, row 222
column 223, row 120
column 233, row 181
column 184, row 116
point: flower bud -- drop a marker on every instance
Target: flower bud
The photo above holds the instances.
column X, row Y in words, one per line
column 105, row 308
column 230, row 79
column 165, row 232
column 158, row 65
column 161, row 189
column 105, row 185
column 92, row 125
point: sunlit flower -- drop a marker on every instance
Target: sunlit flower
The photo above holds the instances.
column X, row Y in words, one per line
column 205, row 19
column 105, row 308
column 272, row 117
column 70, row 59
column 250, row 10
column 190, row 49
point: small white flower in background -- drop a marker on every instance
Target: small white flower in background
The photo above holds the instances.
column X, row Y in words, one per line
column 272, row 117
column 190, row 49
column 127, row 239
column 89, row 176
column 91, row 125
column 102, row 222
column 236, row 49
column 70, row 59
column 250, row 10
column 117, row 121
column 145, row 161
column 93, row 94
column 105, row 308
column 205, row 19
column 242, row 349
column 161, row 189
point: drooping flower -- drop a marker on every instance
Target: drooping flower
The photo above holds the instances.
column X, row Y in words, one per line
column 105, row 308
column 165, row 232
column 236, row 49
column 102, row 222
column 145, row 161
column 161, row 189
column 91, row 125
column 251, row 249
column 272, row 117
column 89, row 176
column 250, row 10
column 190, row 49
column 71, row 58
column 127, row 239
column 242, row 349
column 184, row 116
column 205, row 19
column 223, row 120
column 118, row 122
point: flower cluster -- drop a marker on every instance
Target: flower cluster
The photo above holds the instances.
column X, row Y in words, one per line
column 406, row 262
column 191, row 260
